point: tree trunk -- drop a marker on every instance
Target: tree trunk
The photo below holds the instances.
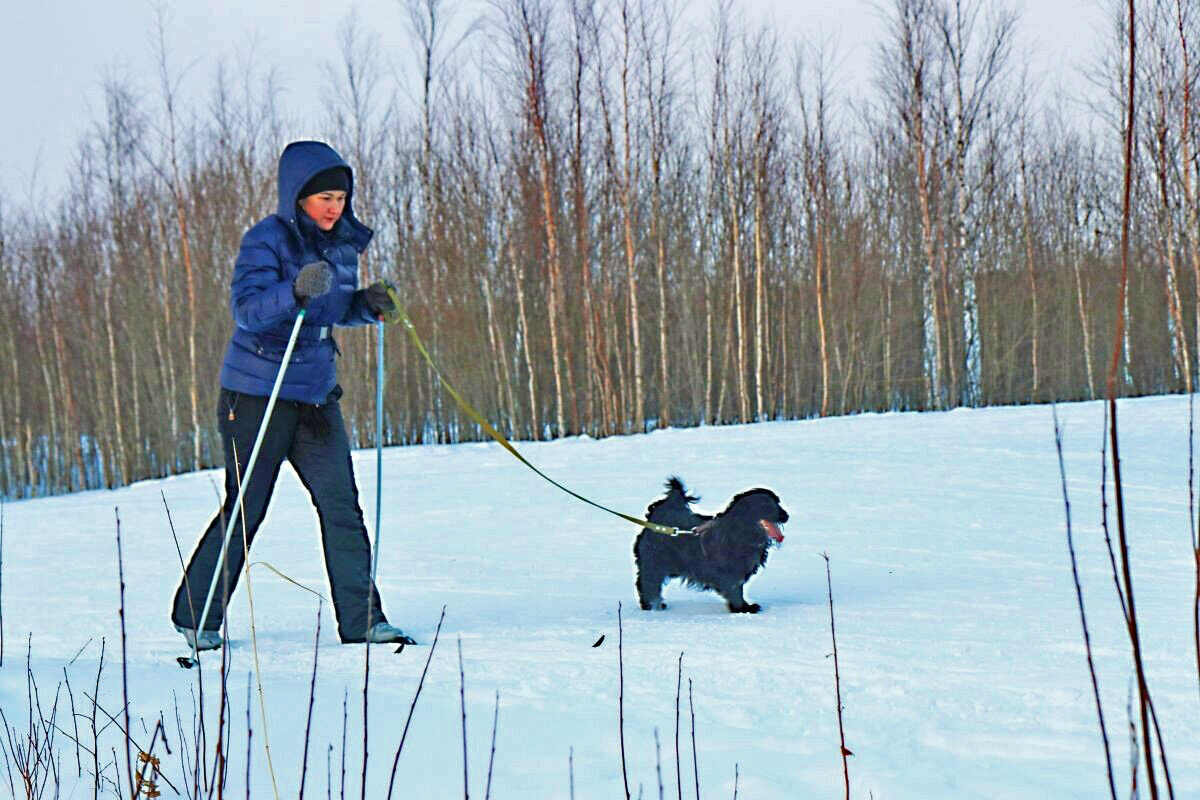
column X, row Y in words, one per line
column 1163, row 164
column 1083, row 322
column 628, row 186
column 631, row 289
column 822, row 332
column 9, row 435
column 726, row 356
column 554, row 267
column 504, row 389
column 710, row 415
column 138, row 455
column 929, row 288
column 55, row 444
column 951, row 361
column 1027, row 224
column 119, row 450
column 167, row 354
column 739, row 332
column 1192, row 227
column 889, row 391
column 8, row 486
column 31, row 470
column 582, row 239
column 660, row 261
column 193, row 386
column 523, row 331
column 73, row 436
column 760, row 292
column 608, row 344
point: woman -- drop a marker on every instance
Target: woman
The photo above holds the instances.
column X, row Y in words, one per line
column 303, row 256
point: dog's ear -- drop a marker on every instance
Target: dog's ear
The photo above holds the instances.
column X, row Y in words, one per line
column 756, row 504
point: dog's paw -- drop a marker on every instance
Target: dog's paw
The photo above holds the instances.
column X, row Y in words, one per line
column 655, row 606
column 749, row 608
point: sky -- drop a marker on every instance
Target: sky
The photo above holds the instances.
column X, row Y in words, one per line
column 55, row 55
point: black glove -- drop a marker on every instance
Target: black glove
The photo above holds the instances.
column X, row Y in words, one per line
column 314, row 280
column 379, row 301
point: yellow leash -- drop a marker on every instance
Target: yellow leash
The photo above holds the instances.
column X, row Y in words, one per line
column 401, row 316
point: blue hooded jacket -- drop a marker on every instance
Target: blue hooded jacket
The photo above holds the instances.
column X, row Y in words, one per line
column 264, row 307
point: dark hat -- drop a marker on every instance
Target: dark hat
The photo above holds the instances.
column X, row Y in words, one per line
column 332, row 179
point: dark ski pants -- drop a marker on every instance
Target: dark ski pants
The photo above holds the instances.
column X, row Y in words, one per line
column 313, row 439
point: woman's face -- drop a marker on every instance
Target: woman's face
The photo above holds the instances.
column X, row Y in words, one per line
column 325, row 208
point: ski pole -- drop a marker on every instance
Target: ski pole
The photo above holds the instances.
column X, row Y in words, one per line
column 378, row 444
column 378, row 466
column 233, row 517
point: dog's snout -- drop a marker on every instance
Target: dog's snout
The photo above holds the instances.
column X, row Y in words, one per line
column 783, row 515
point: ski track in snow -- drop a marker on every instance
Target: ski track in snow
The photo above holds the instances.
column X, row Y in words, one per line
column 962, row 662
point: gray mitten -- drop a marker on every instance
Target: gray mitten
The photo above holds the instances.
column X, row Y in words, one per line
column 313, row 280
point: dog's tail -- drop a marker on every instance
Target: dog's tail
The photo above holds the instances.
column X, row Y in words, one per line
column 674, row 484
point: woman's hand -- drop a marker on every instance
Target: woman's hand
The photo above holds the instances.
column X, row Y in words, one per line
column 379, row 299
column 314, row 280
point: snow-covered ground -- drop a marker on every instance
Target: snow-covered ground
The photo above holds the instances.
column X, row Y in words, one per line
column 962, row 661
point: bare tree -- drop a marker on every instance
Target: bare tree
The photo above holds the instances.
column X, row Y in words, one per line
column 732, row 156
column 1189, row 169
column 1028, row 229
column 529, row 24
column 582, row 37
column 974, row 63
column 1165, row 87
column 656, row 41
column 168, row 88
column 907, row 72
column 816, row 146
column 624, row 170
column 762, row 68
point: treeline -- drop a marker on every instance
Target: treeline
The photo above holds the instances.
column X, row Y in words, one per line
column 607, row 216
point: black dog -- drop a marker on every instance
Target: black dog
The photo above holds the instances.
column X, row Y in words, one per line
column 721, row 554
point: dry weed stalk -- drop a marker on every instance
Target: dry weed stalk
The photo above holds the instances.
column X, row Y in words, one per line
column 621, row 698
column 1087, row 639
column 837, row 680
column 416, row 696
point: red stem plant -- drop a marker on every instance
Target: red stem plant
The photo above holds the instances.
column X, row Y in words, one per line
column 1144, row 700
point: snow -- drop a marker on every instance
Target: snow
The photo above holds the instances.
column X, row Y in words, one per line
column 962, row 663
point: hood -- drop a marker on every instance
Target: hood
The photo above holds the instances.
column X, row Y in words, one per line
column 298, row 163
